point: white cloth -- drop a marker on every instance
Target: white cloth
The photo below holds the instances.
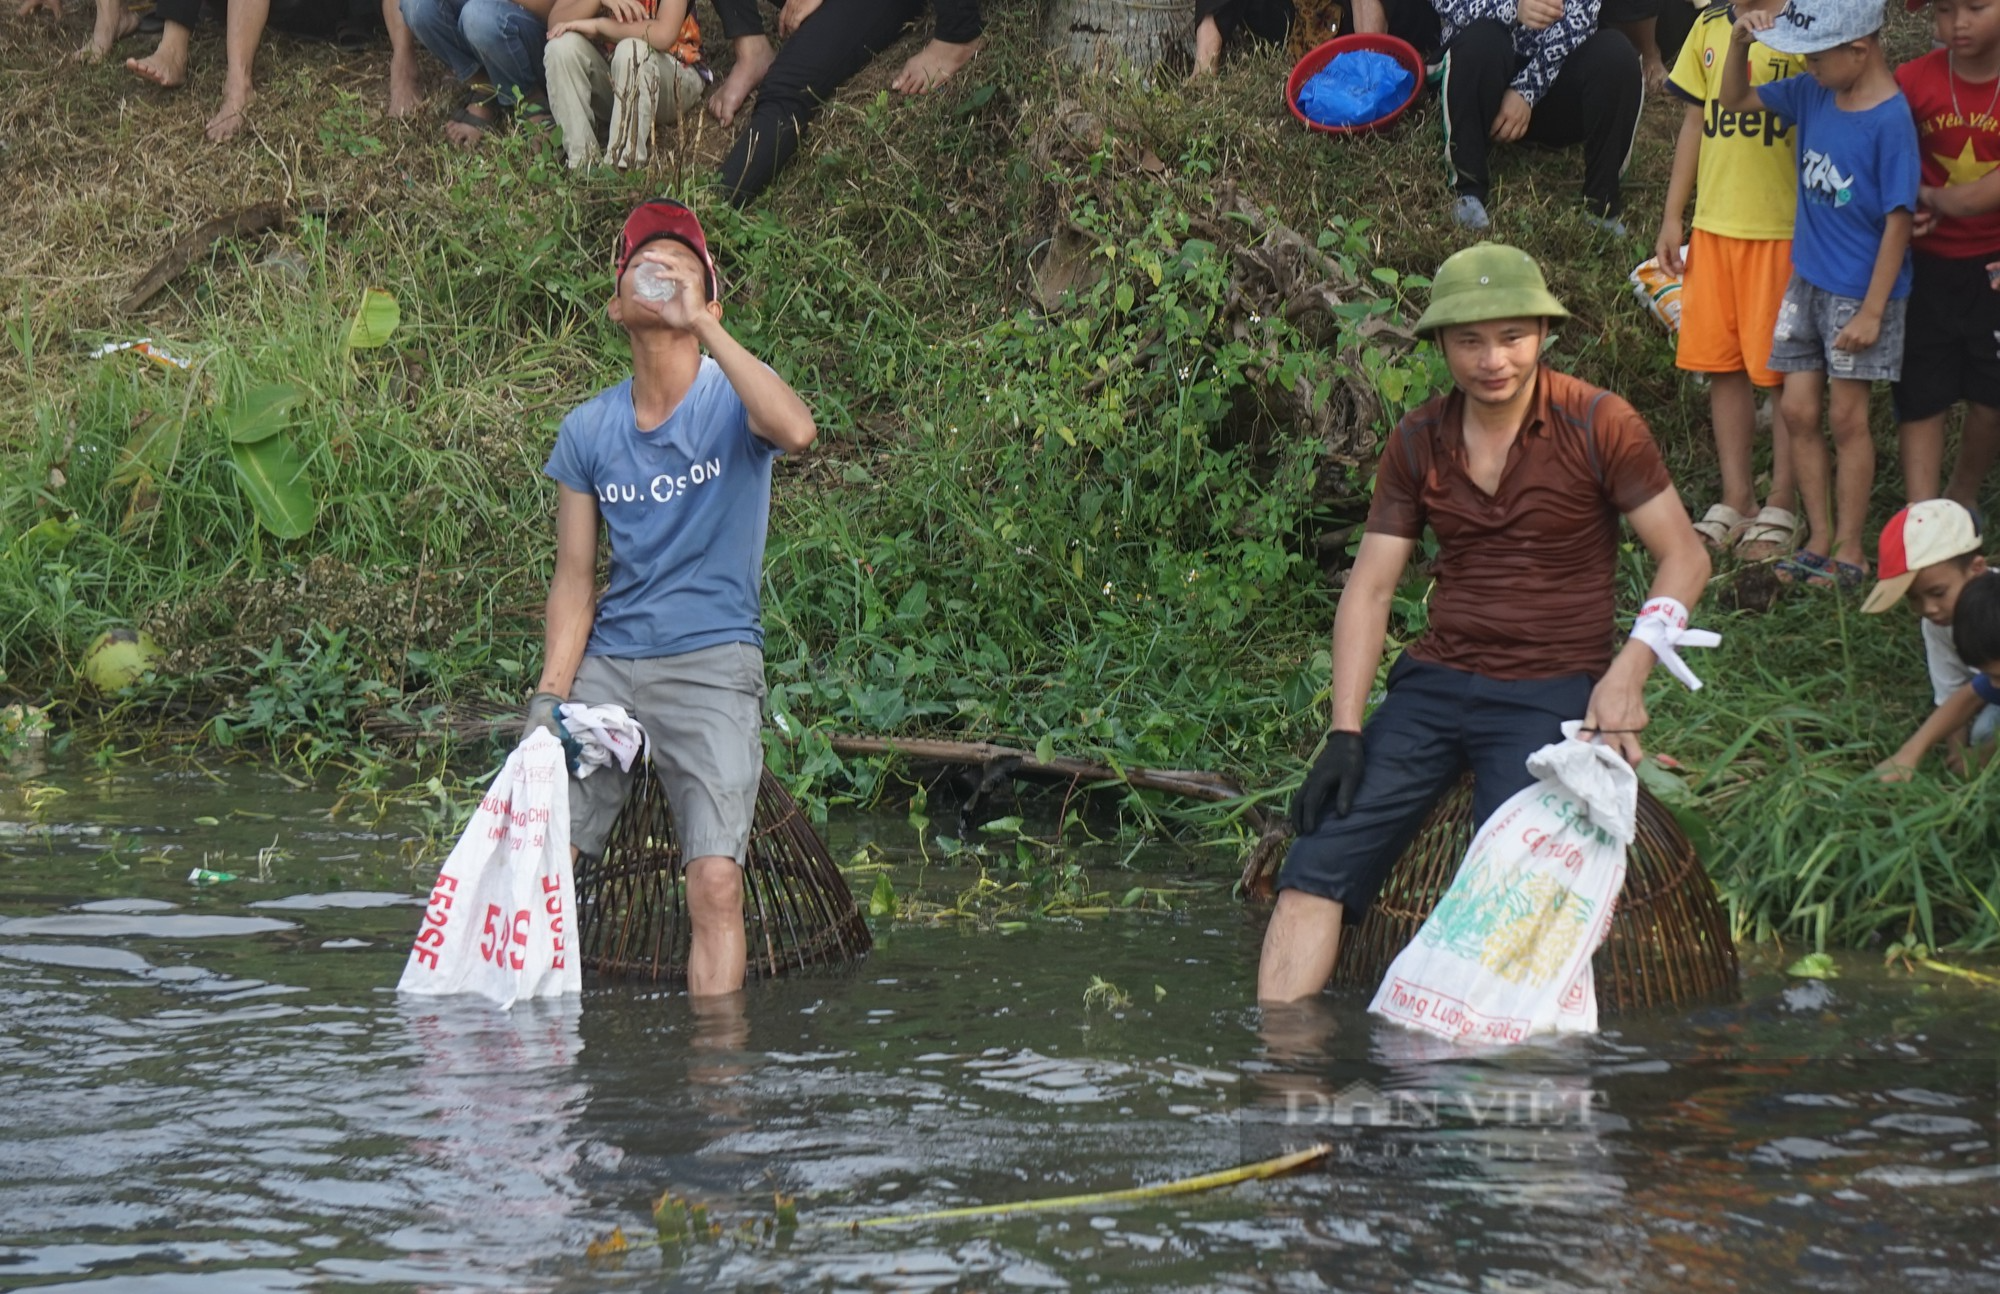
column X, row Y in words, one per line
column 1506, row 952
column 1948, row 672
column 1663, row 626
column 604, row 734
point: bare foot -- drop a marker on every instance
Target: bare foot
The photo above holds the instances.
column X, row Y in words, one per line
column 54, row 8
column 754, row 57
column 114, row 23
column 233, row 115
column 468, row 137
column 1207, row 47
column 933, row 65
column 164, row 67
column 405, row 97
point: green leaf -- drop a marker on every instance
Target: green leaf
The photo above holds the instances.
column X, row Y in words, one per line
column 1008, row 826
column 261, row 413
column 1045, row 749
column 150, row 452
column 275, row 479
column 1814, row 966
column 882, row 902
column 374, row 321
column 47, row 536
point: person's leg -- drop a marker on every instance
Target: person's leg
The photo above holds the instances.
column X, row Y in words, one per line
column 1763, row 270
column 1412, row 756
column 752, row 56
column 678, row 89
column 958, row 35
column 1732, row 409
column 833, row 44
column 434, row 24
column 1636, row 20
column 1978, row 447
column 1478, row 64
column 1854, row 467
column 167, row 64
column 404, row 94
column 579, row 86
column 1507, row 720
column 508, row 41
column 1935, row 368
column 1209, row 16
column 114, row 23
column 1810, row 466
column 1595, row 99
column 244, row 34
column 702, row 712
column 1921, row 445
column 634, row 101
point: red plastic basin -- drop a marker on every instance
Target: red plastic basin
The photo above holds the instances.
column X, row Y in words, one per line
column 1312, row 64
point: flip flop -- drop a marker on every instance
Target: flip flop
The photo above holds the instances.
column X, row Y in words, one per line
column 1818, row 572
column 1720, row 526
column 1764, row 536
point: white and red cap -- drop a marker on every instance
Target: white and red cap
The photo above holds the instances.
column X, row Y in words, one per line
column 1921, row 535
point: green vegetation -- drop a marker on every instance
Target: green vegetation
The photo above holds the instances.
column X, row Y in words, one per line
column 1108, row 527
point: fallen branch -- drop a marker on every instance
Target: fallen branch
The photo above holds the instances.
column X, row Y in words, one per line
column 250, row 220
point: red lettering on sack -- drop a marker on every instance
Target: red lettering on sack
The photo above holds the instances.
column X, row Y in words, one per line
column 427, row 957
column 431, row 935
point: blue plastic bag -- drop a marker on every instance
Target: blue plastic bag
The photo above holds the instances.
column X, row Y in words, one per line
column 1356, row 88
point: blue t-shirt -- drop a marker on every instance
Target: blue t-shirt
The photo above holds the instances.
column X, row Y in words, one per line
column 1854, row 169
column 685, row 506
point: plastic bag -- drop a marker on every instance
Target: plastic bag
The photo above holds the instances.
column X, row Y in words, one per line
column 501, row 918
column 1659, row 291
column 1506, row 952
column 1356, row 88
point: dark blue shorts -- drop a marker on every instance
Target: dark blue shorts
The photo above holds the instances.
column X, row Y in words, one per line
column 1435, row 723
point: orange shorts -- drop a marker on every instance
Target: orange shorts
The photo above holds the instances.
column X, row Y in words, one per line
column 1729, row 304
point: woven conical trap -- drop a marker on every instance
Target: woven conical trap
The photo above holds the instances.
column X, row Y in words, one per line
column 632, row 902
column 1669, row 939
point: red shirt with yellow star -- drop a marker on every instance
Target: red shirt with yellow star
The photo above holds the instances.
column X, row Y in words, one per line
column 1960, row 143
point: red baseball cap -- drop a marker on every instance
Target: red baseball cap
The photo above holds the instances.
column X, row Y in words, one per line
column 1921, row 535
column 665, row 218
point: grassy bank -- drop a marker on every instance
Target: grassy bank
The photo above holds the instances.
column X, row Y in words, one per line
column 1113, row 526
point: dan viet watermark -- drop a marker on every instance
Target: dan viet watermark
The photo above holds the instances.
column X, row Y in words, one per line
column 1362, row 1105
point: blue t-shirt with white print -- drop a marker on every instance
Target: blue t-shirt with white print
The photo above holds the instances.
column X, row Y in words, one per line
column 1854, row 169
column 686, row 507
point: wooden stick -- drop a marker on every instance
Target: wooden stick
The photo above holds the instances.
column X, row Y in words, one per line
column 250, row 220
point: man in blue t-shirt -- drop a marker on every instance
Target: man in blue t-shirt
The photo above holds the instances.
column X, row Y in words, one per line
column 1840, row 326
column 676, row 464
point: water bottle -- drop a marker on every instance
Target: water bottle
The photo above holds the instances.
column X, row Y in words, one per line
column 651, row 282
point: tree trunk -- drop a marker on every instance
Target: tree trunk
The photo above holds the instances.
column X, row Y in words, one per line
column 1105, row 35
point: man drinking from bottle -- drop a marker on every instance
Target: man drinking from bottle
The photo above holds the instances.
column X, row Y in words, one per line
column 1522, row 473
column 675, row 464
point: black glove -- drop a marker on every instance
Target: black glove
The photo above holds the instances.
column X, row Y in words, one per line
column 1332, row 782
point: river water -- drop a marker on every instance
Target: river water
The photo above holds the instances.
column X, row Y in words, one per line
column 215, row 1088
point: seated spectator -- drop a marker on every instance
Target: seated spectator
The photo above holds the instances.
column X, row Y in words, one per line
column 348, row 21
column 637, row 72
column 826, row 43
column 495, row 47
column 1540, row 71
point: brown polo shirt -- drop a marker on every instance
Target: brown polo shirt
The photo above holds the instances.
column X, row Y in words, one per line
column 1525, row 576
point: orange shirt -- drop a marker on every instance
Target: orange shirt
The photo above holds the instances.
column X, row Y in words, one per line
column 1526, row 576
column 687, row 45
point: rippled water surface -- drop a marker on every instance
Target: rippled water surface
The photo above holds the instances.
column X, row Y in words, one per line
column 216, row 1089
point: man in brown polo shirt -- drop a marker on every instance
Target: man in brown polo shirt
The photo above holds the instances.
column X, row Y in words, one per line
column 1522, row 474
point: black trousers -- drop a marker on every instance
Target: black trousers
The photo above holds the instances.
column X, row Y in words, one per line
column 322, row 18
column 1594, row 101
column 835, row 42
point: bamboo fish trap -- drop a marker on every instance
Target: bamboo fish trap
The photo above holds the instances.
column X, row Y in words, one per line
column 1669, row 940
column 632, row 902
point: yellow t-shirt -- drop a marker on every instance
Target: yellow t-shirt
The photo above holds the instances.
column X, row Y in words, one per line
column 1747, row 183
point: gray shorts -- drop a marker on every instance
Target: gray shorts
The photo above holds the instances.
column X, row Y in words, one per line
column 1810, row 318
column 702, row 713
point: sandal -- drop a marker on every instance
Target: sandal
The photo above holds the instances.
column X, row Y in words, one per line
column 1720, row 526
column 1819, row 572
column 1772, row 531
column 482, row 96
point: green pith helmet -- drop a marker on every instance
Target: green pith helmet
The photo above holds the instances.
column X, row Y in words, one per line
column 1488, row 281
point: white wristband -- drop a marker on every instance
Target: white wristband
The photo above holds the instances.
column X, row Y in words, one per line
column 1663, row 626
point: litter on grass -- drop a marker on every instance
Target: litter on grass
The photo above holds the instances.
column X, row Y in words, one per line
column 144, row 346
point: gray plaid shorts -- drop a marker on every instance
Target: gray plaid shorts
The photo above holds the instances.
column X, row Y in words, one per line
column 1810, row 318
column 702, row 712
